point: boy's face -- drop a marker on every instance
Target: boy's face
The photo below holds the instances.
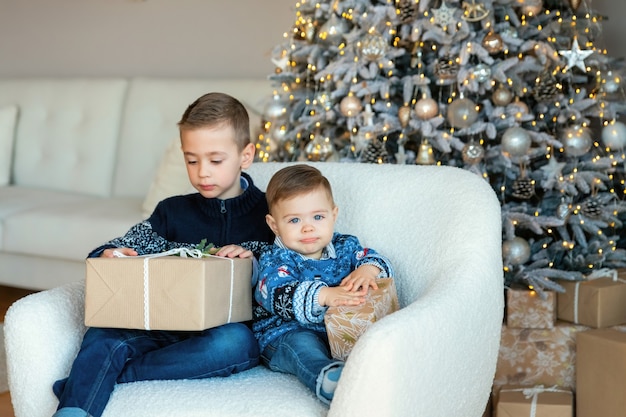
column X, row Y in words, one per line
column 305, row 223
column 213, row 161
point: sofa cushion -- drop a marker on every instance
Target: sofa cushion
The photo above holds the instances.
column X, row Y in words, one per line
column 8, row 115
column 69, row 229
column 67, row 132
column 154, row 122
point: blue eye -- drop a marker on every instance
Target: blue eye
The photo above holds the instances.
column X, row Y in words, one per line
column 319, row 217
column 294, row 220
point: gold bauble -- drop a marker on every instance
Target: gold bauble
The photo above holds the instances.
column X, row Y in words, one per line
column 318, row 151
column 574, row 4
column 493, row 43
column 426, row 108
column 350, row 106
column 404, row 115
column 373, row 47
column 502, row 96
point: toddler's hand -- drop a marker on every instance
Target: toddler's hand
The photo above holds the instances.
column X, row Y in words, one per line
column 340, row 296
column 234, row 251
column 362, row 278
column 109, row 253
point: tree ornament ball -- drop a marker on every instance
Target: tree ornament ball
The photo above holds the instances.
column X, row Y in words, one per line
column 318, row 151
column 473, row 153
column 516, row 141
column 274, row 110
column 426, row 108
column 373, row 47
column 610, row 82
column 576, row 141
column 516, row 251
column 502, row 96
column 350, row 106
column 462, row 113
column 493, row 43
column 532, row 7
column 574, row 4
column 333, row 30
column 614, row 135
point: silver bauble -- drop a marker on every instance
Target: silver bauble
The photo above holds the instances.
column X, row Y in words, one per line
column 426, row 108
column 614, row 135
column 333, row 30
column 318, row 151
column 350, row 106
column 610, row 83
column 563, row 211
column 482, row 72
column 516, row 141
column 502, row 96
column 515, row 251
column 462, row 112
column 576, row 140
column 373, row 47
column 473, row 153
column 274, row 109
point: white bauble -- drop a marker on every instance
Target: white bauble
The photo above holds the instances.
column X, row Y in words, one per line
column 462, row 113
column 614, row 135
column 576, row 141
column 516, row 141
column 516, row 251
column 426, row 108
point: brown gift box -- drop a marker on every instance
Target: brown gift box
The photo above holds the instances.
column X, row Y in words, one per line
column 537, row 401
column 345, row 325
column 596, row 303
column 526, row 309
column 168, row 292
column 601, row 373
column 538, row 356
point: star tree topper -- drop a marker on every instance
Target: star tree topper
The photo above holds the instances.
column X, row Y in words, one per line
column 576, row 57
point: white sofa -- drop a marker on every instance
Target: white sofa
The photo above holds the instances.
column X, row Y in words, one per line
column 77, row 159
column 436, row 357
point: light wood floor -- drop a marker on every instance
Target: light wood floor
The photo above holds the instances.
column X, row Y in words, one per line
column 8, row 296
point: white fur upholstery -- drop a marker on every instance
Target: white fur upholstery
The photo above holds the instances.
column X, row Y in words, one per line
column 436, row 357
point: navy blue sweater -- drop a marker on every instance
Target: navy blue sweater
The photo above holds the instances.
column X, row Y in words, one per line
column 185, row 220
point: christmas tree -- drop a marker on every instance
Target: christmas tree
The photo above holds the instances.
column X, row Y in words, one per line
column 520, row 92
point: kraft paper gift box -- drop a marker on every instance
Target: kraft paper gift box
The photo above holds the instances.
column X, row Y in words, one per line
column 345, row 325
column 168, row 292
column 536, row 401
column 595, row 303
column 601, row 373
column 538, row 356
column 527, row 309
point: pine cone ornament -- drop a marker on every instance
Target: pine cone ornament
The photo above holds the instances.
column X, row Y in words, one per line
column 446, row 68
column 592, row 207
column 546, row 87
column 375, row 153
column 407, row 10
column 523, row 188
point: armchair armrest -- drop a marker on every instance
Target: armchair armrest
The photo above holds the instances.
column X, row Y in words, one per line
column 45, row 352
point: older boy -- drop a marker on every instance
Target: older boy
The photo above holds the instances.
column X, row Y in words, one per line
column 227, row 210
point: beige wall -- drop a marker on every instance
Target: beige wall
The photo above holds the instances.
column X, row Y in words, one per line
column 168, row 37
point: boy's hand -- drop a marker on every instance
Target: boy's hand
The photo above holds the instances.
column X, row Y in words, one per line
column 234, row 251
column 362, row 278
column 108, row 253
column 340, row 296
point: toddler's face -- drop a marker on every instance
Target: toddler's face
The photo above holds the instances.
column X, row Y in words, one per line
column 213, row 161
column 305, row 223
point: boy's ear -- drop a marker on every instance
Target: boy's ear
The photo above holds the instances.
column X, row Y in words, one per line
column 271, row 223
column 247, row 155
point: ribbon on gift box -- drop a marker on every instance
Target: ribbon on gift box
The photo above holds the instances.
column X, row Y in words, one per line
column 183, row 253
column 533, row 392
column 600, row 273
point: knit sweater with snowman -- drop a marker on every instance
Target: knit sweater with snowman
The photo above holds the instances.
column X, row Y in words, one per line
column 289, row 283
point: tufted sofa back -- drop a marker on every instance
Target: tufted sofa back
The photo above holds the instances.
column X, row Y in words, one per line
column 105, row 136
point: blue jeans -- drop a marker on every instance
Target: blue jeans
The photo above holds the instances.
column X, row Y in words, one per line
column 110, row 356
column 303, row 353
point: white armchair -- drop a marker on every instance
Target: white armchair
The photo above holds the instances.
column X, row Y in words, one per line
column 441, row 228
